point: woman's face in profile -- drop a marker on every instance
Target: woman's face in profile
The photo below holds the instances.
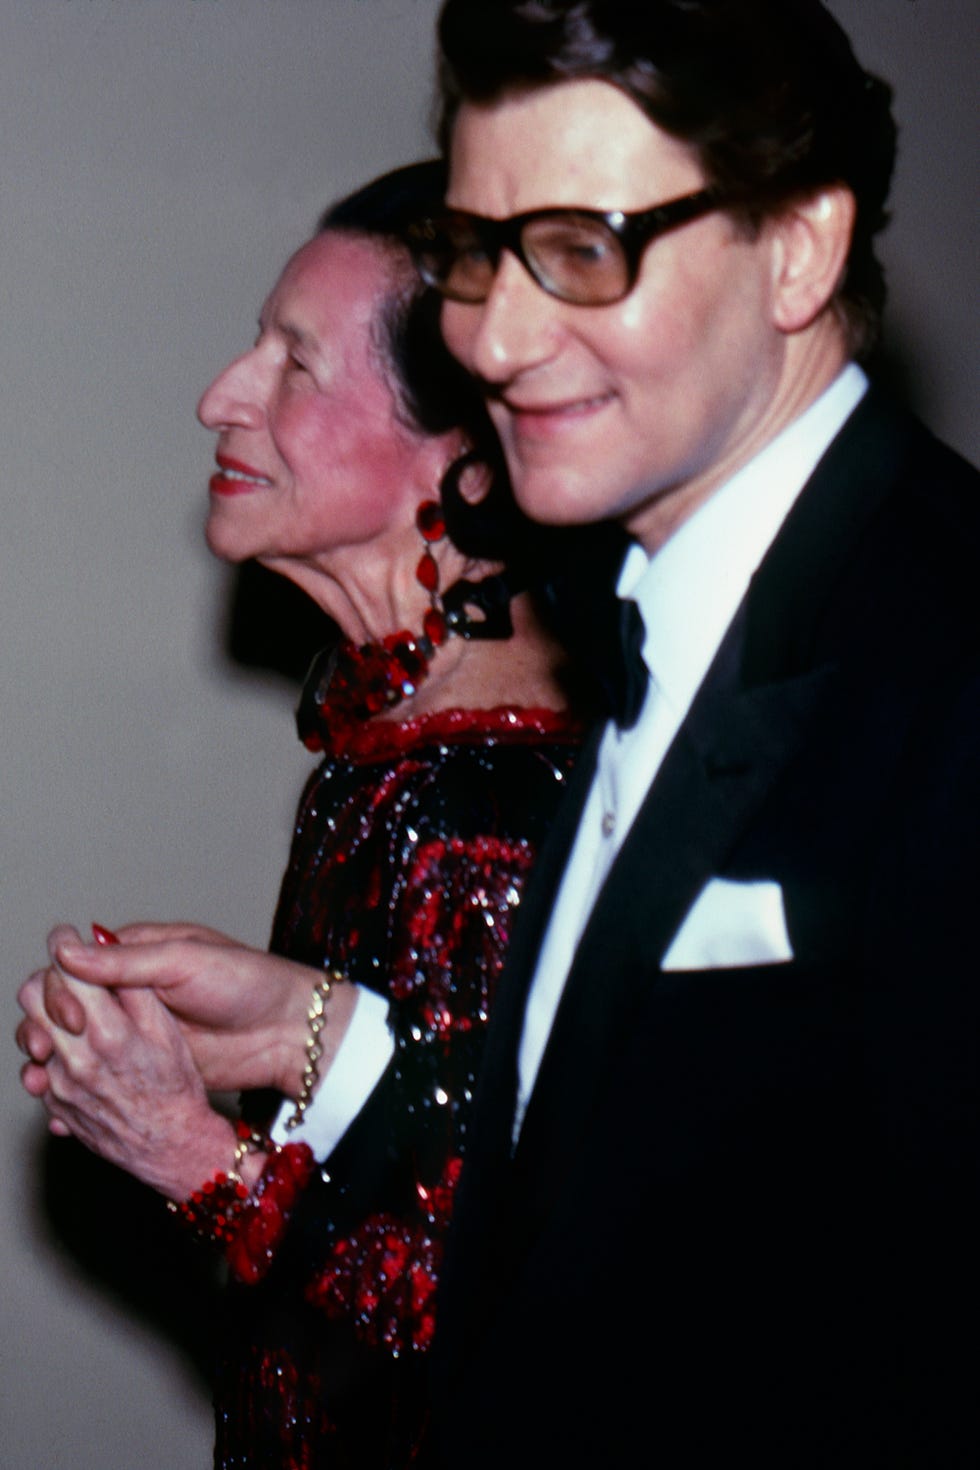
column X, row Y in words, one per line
column 313, row 464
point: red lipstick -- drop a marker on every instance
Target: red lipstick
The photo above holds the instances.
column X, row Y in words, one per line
column 235, row 477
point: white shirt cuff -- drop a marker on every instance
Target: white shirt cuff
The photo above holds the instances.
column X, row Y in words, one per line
column 361, row 1058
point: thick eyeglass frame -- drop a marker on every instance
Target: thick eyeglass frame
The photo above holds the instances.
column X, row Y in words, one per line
column 633, row 231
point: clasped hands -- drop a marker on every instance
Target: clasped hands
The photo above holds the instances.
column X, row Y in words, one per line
column 125, row 1042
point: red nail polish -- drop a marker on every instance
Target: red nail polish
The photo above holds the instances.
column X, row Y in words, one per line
column 101, row 935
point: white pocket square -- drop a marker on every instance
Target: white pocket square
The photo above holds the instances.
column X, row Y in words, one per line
column 731, row 924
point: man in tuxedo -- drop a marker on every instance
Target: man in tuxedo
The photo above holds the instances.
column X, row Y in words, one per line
column 721, row 1204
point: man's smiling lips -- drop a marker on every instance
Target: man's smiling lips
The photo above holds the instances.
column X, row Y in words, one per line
column 234, row 477
column 541, row 420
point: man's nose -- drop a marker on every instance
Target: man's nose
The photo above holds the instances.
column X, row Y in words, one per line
column 518, row 326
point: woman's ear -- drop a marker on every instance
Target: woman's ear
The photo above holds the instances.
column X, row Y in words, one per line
column 813, row 238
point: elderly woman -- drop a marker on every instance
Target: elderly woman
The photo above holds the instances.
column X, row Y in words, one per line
column 352, row 458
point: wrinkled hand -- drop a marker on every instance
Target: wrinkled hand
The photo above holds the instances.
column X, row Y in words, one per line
column 242, row 1012
column 121, row 1078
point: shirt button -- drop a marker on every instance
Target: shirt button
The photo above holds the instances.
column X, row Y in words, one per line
column 608, row 823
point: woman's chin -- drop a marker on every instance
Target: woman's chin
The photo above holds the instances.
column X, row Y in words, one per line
column 223, row 544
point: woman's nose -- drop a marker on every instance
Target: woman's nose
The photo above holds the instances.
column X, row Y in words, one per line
column 233, row 400
column 515, row 329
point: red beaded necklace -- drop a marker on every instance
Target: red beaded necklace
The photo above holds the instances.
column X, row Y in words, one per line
column 348, row 684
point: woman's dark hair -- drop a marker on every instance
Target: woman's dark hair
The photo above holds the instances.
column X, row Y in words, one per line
column 768, row 94
column 435, row 393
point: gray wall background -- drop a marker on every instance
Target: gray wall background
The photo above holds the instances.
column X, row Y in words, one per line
column 160, row 158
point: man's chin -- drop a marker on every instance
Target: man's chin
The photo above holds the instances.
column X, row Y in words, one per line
column 559, row 497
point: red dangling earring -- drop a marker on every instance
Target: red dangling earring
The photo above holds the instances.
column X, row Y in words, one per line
column 431, row 524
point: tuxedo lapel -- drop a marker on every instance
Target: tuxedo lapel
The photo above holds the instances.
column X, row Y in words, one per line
column 798, row 578
column 719, row 770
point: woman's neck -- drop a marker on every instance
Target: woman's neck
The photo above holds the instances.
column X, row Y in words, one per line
column 474, row 673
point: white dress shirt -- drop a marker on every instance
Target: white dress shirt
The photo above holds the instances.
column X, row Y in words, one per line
column 688, row 594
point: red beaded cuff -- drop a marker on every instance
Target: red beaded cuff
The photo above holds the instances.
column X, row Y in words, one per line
column 261, row 1223
column 211, row 1212
column 248, row 1225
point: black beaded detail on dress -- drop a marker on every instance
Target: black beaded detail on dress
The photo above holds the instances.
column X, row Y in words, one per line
column 412, row 846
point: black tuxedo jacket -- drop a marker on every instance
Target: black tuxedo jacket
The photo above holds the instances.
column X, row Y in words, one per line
column 741, row 1222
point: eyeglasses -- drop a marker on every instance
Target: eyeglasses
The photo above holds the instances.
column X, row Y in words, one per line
column 585, row 256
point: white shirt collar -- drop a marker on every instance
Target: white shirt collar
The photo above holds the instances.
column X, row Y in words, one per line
column 690, row 590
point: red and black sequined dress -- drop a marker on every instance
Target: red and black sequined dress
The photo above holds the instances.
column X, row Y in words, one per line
column 412, row 846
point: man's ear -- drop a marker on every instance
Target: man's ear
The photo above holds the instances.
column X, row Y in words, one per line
column 812, row 239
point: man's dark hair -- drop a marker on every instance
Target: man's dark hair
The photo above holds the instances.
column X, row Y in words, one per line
column 768, row 94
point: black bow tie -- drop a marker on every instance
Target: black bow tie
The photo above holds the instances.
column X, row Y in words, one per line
column 602, row 632
column 627, row 674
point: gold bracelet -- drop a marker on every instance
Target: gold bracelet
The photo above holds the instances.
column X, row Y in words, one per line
column 317, row 1018
column 248, row 1138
